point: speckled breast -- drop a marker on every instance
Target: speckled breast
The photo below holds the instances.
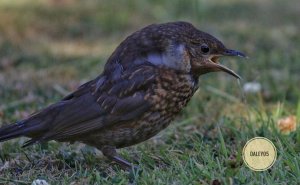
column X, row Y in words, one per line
column 168, row 95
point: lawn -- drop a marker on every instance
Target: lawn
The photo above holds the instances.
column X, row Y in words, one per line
column 48, row 48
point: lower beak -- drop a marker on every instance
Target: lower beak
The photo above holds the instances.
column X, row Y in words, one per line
column 212, row 65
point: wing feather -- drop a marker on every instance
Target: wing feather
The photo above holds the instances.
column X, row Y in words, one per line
column 93, row 107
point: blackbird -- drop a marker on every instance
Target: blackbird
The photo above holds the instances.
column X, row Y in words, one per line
column 146, row 82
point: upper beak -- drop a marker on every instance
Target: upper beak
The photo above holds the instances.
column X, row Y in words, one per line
column 212, row 63
column 231, row 52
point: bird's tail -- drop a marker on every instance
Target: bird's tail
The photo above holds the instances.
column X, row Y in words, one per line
column 12, row 131
column 29, row 127
column 34, row 126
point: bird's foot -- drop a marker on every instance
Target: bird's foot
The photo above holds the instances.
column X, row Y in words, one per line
column 111, row 153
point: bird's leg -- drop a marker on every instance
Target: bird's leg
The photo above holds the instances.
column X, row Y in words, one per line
column 111, row 153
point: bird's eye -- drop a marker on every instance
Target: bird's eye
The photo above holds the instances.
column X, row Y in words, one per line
column 204, row 48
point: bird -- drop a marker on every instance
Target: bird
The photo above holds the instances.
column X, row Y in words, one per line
column 145, row 83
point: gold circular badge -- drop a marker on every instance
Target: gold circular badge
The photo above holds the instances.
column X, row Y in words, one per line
column 259, row 154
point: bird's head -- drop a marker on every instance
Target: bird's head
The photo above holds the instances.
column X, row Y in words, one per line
column 204, row 52
column 176, row 45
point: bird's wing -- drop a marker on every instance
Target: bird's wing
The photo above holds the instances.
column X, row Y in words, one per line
column 98, row 104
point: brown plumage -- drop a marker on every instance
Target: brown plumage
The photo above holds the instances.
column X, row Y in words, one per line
column 146, row 82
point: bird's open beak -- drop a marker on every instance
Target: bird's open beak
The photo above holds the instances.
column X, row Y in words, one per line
column 212, row 64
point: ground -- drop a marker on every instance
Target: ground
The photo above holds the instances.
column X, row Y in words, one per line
column 48, row 48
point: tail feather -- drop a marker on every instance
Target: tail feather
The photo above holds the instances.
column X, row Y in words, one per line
column 12, row 131
column 55, row 121
column 29, row 128
column 34, row 126
column 31, row 142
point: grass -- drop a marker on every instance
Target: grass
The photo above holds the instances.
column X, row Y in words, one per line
column 48, row 48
